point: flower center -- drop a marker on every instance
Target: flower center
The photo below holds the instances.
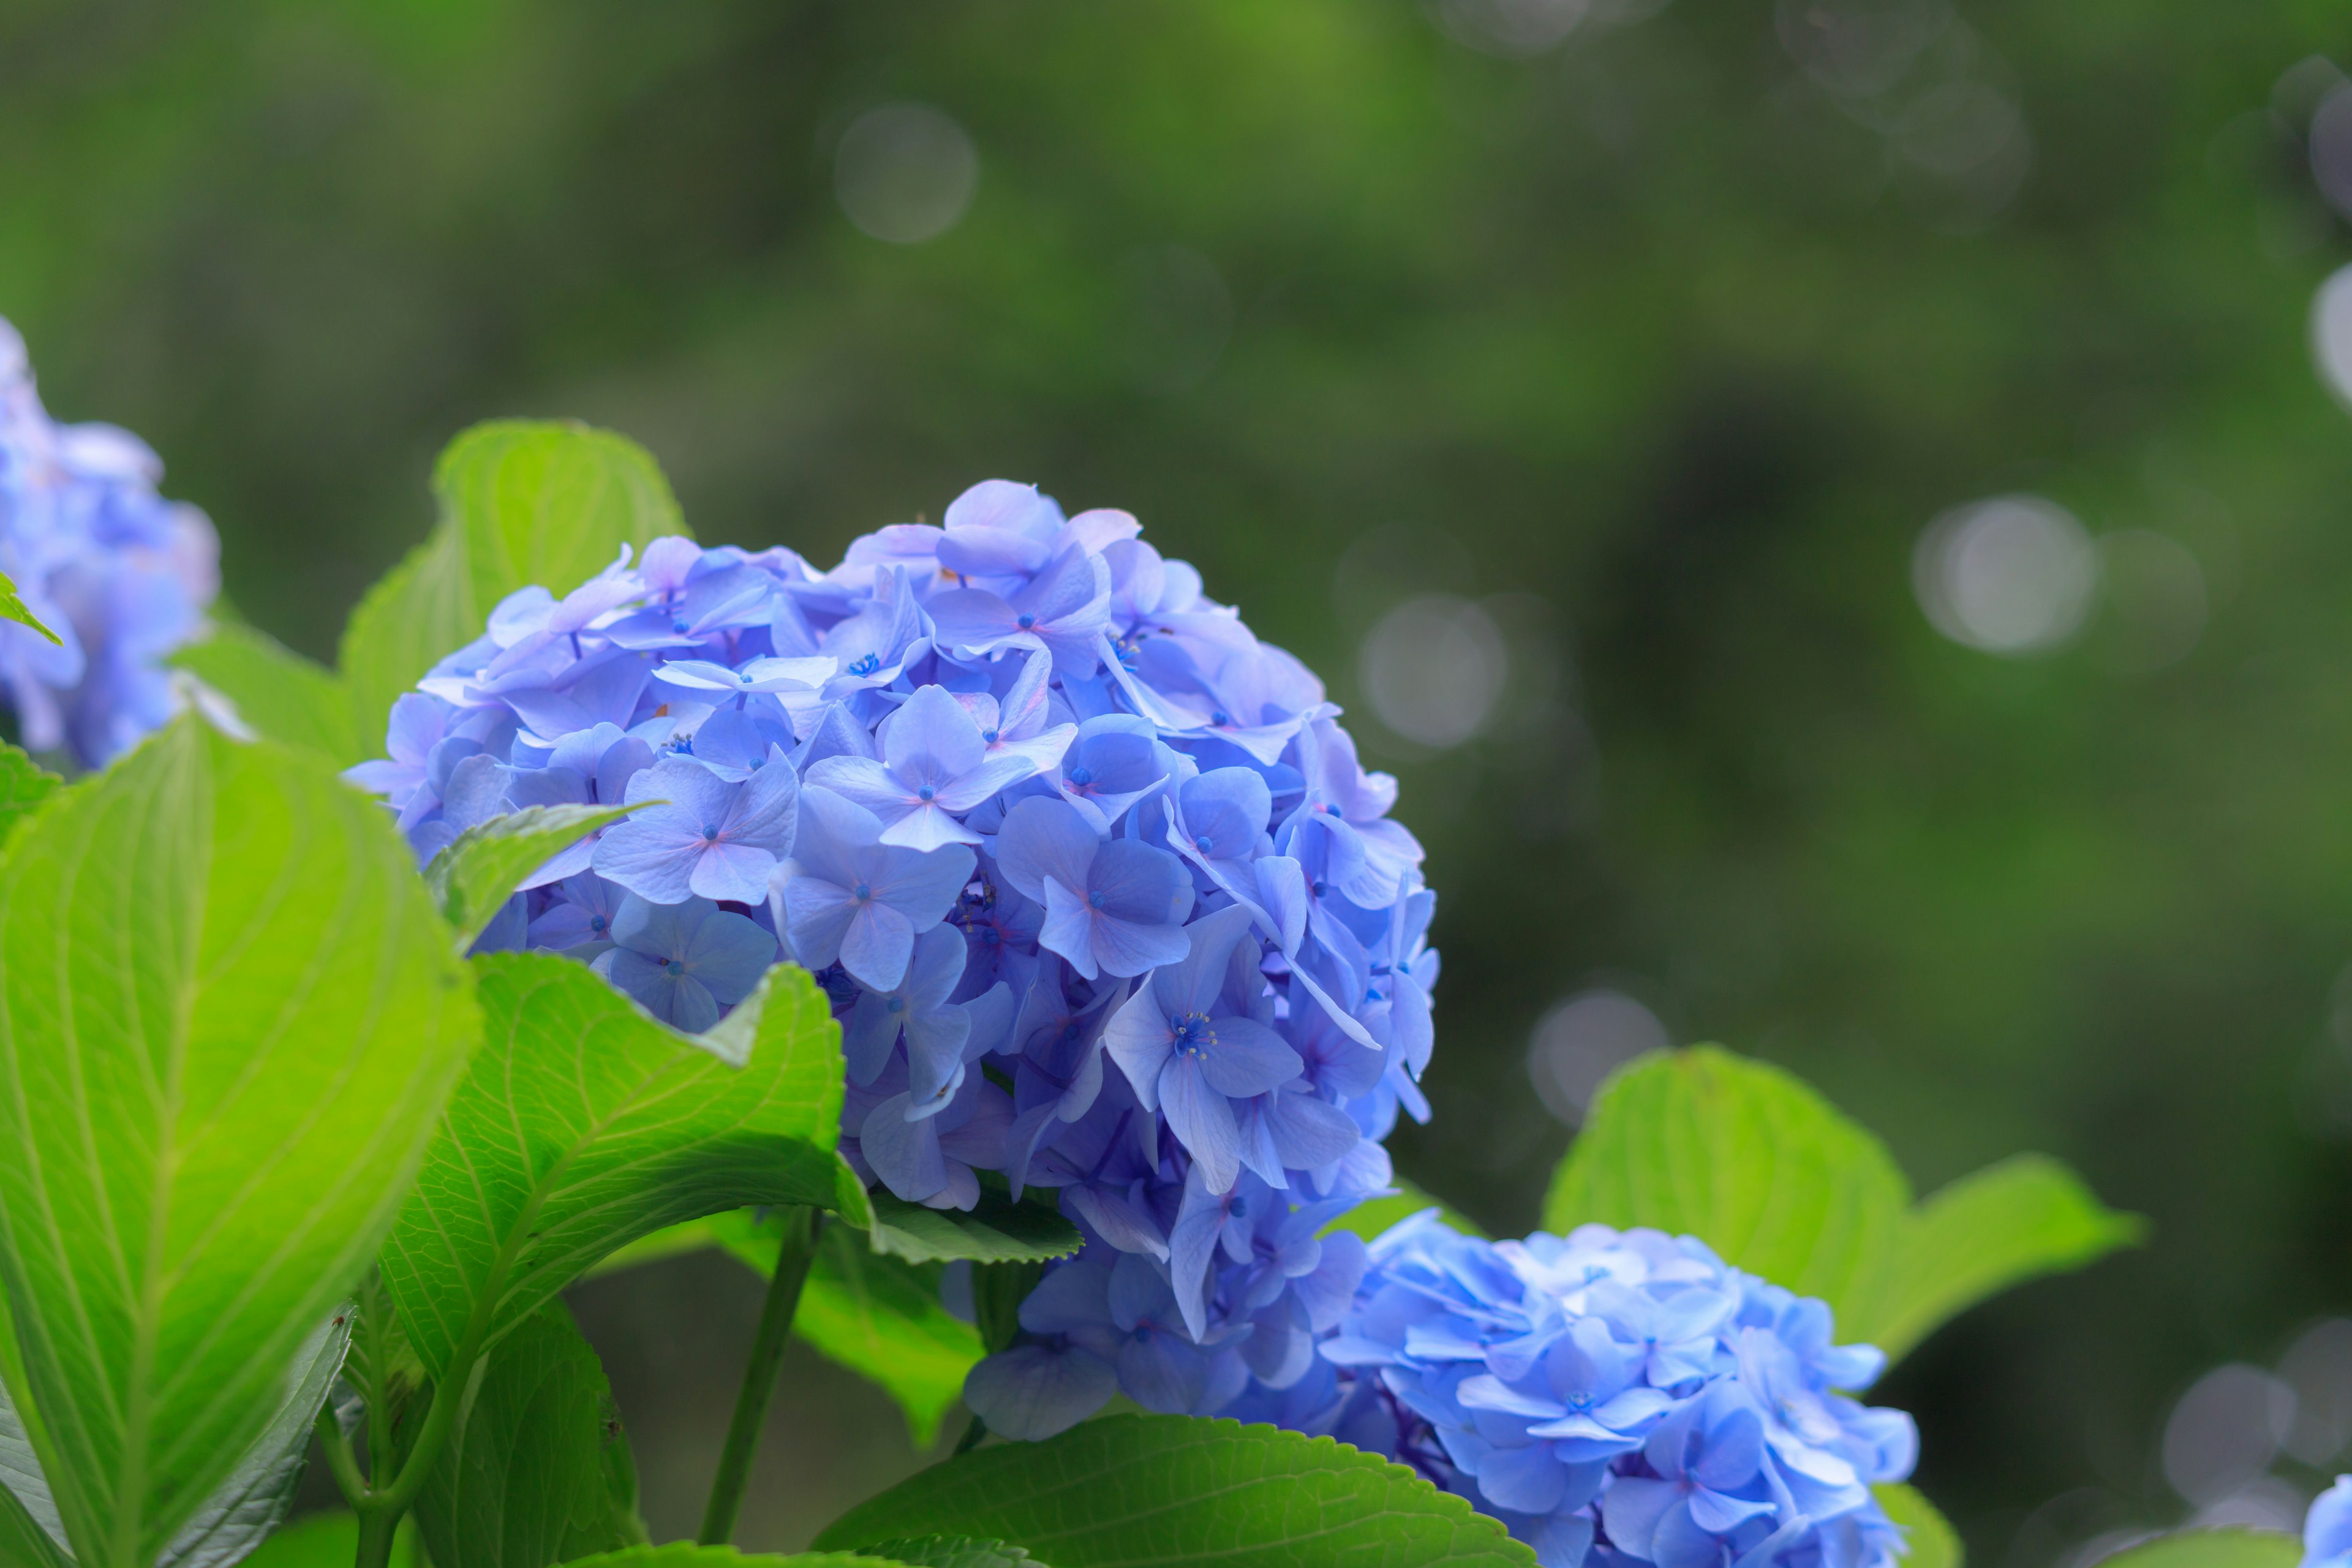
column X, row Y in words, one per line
column 866, row 664
column 1203, row 843
column 745, row 677
column 861, row 892
column 989, row 736
column 925, row 792
column 675, row 966
column 709, row 834
column 1095, row 899
column 596, row 922
column 897, row 1004
column 1220, row 718
column 1026, row 622
column 1082, row 775
column 677, row 627
column 1192, row 1034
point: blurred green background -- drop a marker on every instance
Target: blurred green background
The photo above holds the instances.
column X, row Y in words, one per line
column 1592, row 365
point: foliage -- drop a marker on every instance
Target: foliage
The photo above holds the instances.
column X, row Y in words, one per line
column 1766, row 1172
column 283, row 1163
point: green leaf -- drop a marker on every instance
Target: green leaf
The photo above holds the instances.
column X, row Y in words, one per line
column 531, row 1479
column 1931, row 1541
column 521, row 502
column 280, row 693
column 670, row 1241
column 1753, row 1161
column 585, row 1124
column 23, row 784
column 229, row 1018
column 685, row 1554
column 479, row 869
column 2025, row 1216
column 995, row 1230
column 13, row 608
column 1171, row 1489
column 877, row 1315
column 329, row 1540
column 2212, row 1549
column 25, row 1543
column 953, row 1551
column 1370, row 1217
column 255, row 1498
column 30, row 1528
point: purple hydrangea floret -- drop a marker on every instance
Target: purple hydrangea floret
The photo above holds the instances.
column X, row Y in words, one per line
column 1620, row 1398
column 1101, row 894
column 120, row 574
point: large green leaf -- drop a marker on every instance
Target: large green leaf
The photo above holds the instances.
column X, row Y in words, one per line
column 229, row 1018
column 23, row 784
column 280, row 693
column 1753, row 1161
column 877, row 1315
column 2212, row 1548
column 523, row 503
column 255, row 1498
column 2024, row 1217
column 995, row 1230
column 685, row 1554
column 480, row 867
column 540, row 1472
column 12, row 608
column 954, row 1552
column 585, row 1124
column 1930, row 1542
column 1173, row 1489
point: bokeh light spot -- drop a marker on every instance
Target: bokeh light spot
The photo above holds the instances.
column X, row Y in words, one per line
column 2225, row 1431
column 904, row 173
column 1583, row 1040
column 1433, row 668
column 2014, row 574
column 2331, row 334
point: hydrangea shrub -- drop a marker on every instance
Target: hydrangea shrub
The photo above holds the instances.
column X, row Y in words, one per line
column 988, row 925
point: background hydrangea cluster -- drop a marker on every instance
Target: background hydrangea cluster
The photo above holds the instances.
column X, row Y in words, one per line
column 1101, row 894
column 120, row 574
column 1620, row 1397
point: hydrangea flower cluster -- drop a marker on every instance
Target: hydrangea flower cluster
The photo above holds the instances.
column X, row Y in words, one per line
column 1102, row 897
column 1617, row 1397
column 120, row 574
column 2327, row 1528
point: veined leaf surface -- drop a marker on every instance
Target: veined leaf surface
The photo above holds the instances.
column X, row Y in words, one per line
column 229, row 1018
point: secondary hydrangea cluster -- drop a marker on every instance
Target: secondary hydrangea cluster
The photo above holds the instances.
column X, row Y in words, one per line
column 2327, row 1528
column 120, row 574
column 1103, row 899
column 1617, row 1397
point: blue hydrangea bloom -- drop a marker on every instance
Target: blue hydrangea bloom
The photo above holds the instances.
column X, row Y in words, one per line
column 1100, row 892
column 120, row 574
column 2327, row 1528
column 1620, row 1397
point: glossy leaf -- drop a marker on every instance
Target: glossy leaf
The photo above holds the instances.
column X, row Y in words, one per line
column 954, row 1552
column 229, row 1018
column 1930, row 1542
column 521, row 502
column 534, row 1477
column 23, row 784
column 995, row 1230
column 584, row 1124
column 278, row 693
column 2212, row 1548
column 254, row 1499
column 1753, row 1161
column 480, row 868
column 12, row 608
column 1167, row 1490
column 877, row 1315
column 685, row 1554
column 2025, row 1216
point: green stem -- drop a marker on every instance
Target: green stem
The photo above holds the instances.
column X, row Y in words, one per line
column 376, row 1531
column 793, row 1260
column 341, row 1462
column 972, row 1435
